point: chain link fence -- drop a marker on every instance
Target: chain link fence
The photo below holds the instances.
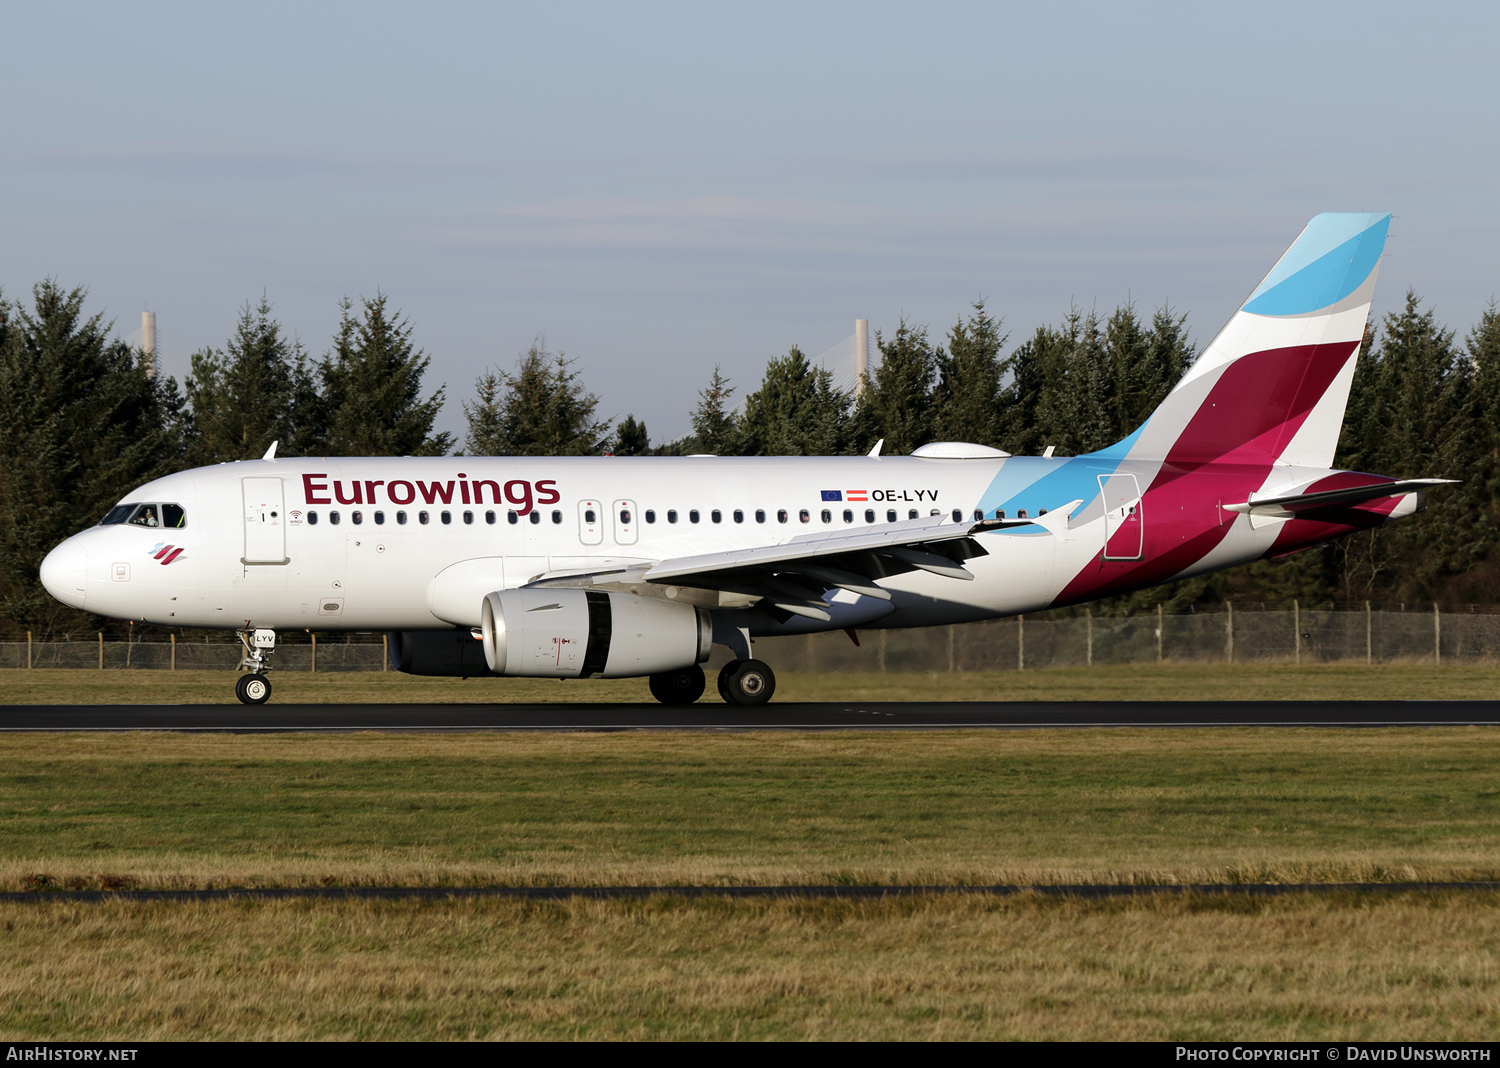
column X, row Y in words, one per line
column 1296, row 635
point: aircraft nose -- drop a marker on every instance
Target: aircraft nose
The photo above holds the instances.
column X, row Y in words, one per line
column 65, row 572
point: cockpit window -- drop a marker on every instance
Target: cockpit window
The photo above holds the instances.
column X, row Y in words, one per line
column 146, row 515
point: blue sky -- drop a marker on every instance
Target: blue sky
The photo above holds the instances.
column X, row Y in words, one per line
column 659, row 188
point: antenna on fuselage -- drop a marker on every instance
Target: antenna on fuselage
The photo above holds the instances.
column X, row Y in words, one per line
column 271, row 452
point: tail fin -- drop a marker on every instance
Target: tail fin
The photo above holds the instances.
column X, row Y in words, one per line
column 1273, row 385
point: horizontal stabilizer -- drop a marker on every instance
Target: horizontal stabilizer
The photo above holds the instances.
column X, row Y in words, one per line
column 1289, row 505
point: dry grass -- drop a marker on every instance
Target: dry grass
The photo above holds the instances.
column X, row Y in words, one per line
column 1139, row 682
column 1099, row 806
column 1413, row 967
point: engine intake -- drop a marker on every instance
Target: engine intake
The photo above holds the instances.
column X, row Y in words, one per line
column 569, row 634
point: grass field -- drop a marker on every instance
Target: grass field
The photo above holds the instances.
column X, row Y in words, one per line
column 1102, row 806
column 1141, row 682
column 1410, row 967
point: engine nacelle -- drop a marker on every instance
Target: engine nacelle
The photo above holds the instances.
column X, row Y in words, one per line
column 438, row 652
column 569, row 634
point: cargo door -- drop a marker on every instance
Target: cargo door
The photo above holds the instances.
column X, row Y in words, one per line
column 265, row 522
column 625, row 518
column 1124, row 522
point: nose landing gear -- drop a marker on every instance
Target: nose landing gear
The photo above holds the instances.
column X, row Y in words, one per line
column 254, row 688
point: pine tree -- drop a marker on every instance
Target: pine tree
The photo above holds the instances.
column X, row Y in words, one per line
column 796, row 412
column 715, row 427
column 82, row 421
column 372, row 388
column 540, row 410
column 259, row 389
column 896, row 404
column 967, row 397
column 631, row 438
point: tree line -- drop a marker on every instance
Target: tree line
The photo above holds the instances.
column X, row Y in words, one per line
column 83, row 419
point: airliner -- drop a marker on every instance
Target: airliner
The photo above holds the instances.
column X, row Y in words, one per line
column 581, row 567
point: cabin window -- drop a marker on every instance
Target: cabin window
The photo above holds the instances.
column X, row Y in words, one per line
column 356, row 518
column 424, row 518
column 489, row 517
column 1042, row 511
column 333, row 517
column 468, row 517
column 624, row 517
column 804, row 516
column 739, row 515
column 693, row 516
column 671, row 515
column 869, row 515
column 512, row 518
column 172, row 515
column 590, row 516
column 556, row 516
column 145, row 516
column 536, row 517
column 999, row 513
column 890, row 515
column 781, row 516
column 978, row 514
column 118, row 514
column 1021, row 513
column 848, row 515
column 827, row 516
column 447, row 518
column 911, row 514
column 312, row 519
column 650, row 515
column 716, row 515
column 380, row 519
column 401, row 518
column 760, row 515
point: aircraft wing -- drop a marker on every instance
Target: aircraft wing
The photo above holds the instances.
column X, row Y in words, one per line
column 1289, row 505
column 793, row 575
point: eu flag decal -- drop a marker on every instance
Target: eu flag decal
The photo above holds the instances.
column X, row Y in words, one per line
column 833, row 495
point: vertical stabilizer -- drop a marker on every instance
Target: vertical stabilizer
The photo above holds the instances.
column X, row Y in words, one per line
column 1273, row 385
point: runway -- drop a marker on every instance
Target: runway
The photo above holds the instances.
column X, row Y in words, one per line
column 714, row 716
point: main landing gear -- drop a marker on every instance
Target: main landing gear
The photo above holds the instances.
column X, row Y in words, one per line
column 254, row 688
column 746, row 682
column 741, row 682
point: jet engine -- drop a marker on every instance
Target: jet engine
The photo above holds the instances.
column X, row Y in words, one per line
column 438, row 652
column 569, row 633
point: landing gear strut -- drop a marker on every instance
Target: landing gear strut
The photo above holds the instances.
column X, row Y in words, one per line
column 746, row 682
column 254, row 688
column 680, row 687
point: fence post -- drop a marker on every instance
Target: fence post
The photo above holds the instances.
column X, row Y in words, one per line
column 129, row 635
column 1021, row 643
column 314, row 667
column 1369, row 644
column 1229, row 631
column 952, row 655
column 1437, row 635
column 1296, row 632
column 385, row 652
column 28, row 650
column 101, row 650
column 880, row 652
column 1159, row 623
column 1090, row 614
column 174, row 651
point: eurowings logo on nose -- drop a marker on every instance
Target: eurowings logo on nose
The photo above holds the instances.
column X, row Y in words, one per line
column 164, row 552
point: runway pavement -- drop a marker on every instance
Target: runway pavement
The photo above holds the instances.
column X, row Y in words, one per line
column 715, row 716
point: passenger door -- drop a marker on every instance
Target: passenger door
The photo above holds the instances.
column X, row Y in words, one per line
column 265, row 522
column 1124, row 522
column 590, row 522
column 625, row 517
